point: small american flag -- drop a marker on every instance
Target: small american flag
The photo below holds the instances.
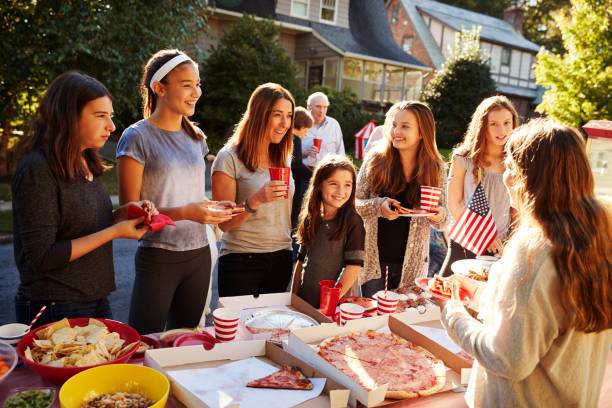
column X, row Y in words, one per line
column 475, row 230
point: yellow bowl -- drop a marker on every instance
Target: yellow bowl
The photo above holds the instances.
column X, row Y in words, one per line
column 96, row 381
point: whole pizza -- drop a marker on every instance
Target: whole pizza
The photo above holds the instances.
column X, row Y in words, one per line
column 373, row 359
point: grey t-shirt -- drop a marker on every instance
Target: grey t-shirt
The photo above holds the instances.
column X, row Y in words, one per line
column 269, row 229
column 174, row 173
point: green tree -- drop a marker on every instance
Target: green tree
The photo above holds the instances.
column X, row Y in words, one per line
column 462, row 83
column 540, row 26
column 579, row 83
column 110, row 40
column 248, row 55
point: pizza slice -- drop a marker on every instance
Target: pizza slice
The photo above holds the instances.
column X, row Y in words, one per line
column 286, row 378
column 440, row 286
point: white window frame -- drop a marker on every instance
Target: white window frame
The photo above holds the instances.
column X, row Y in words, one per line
column 335, row 13
column 307, row 10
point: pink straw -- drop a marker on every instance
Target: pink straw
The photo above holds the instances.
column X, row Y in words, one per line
column 386, row 278
column 40, row 312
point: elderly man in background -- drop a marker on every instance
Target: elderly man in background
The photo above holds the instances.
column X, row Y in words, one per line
column 325, row 128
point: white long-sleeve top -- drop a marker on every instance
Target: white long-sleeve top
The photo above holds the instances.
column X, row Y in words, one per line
column 524, row 354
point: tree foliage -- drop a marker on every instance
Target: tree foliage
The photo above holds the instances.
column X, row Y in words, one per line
column 248, row 55
column 110, row 40
column 579, row 82
column 462, row 83
column 540, row 26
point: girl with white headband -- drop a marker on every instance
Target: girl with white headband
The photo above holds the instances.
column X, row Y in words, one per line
column 162, row 158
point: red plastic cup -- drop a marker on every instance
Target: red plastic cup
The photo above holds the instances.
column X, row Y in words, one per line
column 387, row 302
column 316, row 142
column 281, row 174
column 329, row 296
column 350, row 311
column 226, row 323
column 430, row 197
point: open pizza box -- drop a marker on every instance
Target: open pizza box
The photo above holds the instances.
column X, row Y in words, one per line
column 303, row 343
column 281, row 301
column 427, row 331
column 177, row 363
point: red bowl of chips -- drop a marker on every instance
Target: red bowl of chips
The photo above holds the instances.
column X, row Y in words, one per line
column 57, row 351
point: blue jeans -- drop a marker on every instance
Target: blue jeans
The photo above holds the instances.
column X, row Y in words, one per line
column 25, row 310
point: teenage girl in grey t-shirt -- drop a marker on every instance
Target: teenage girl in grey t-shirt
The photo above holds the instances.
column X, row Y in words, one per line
column 255, row 252
column 162, row 159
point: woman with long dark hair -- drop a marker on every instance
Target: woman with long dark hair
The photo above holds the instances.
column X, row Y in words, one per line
column 546, row 311
column 63, row 219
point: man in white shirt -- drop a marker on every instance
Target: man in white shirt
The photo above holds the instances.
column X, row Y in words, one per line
column 325, row 128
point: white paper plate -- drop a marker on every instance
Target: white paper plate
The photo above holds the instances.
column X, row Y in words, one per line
column 463, row 266
column 418, row 214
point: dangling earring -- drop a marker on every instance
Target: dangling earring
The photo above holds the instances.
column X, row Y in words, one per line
column 322, row 210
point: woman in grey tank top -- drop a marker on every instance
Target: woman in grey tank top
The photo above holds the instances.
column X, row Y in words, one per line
column 161, row 159
column 479, row 160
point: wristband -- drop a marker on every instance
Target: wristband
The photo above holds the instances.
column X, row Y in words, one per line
column 248, row 208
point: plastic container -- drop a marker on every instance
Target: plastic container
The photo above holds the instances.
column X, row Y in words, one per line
column 9, row 358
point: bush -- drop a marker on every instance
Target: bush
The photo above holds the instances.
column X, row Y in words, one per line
column 248, row 55
column 345, row 107
column 457, row 89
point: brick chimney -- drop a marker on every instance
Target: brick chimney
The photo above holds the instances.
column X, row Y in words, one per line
column 515, row 16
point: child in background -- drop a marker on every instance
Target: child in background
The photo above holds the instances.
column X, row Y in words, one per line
column 330, row 232
column 302, row 121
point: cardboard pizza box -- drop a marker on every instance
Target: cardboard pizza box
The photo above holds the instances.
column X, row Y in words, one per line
column 168, row 360
column 427, row 331
column 303, row 342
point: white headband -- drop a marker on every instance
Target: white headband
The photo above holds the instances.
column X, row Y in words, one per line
column 167, row 67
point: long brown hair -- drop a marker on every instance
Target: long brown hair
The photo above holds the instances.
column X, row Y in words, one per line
column 253, row 128
column 474, row 142
column 554, row 190
column 54, row 128
column 149, row 98
column 310, row 214
column 385, row 164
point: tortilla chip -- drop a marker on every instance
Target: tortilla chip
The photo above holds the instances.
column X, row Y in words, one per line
column 96, row 322
column 28, row 353
column 54, row 327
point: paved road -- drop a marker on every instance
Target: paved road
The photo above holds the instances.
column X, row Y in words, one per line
column 120, row 299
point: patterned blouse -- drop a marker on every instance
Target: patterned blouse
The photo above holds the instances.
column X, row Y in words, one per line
column 416, row 257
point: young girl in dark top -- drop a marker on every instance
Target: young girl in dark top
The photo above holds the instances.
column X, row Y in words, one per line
column 330, row 232
column 63, row 219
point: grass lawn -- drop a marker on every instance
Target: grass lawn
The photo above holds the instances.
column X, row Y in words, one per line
column 109, row 178
column 5, row 192
column 6, row 221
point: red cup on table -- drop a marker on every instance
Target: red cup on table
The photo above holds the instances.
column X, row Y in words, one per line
column 281, row 174
column 316, row 142
column 387, row 301
column 328, row 296
column 350, row 311
column 430, row 197
column 226, row 323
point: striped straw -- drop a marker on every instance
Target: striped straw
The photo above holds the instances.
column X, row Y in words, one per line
column 40, row 312
column 386, row 278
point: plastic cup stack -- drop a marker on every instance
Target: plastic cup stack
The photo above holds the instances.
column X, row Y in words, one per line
column 387, row 302
column 226, row 323
column 350, row 311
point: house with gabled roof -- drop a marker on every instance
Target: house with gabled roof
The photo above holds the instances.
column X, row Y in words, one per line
column 426, row 29
column 338, row 43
